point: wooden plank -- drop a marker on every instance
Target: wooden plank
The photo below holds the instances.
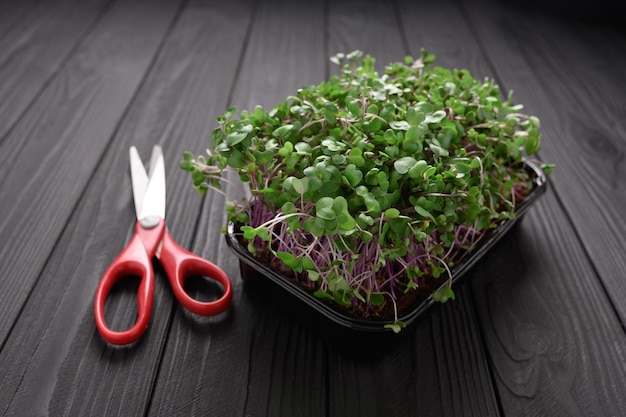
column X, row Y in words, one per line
column 536, row 323
column 255, row 360
column 55, row 353
column 87, row 100
column 283, row 54
column 551, row 66
column 431, row 370
column 556, row 347
column 442, row 29
column 369, row 26
column 35, row 40
column 423, row 373
column 55, row 149
column 248, row 363
column 12, row 13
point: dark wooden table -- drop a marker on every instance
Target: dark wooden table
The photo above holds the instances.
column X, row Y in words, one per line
column 537, row 328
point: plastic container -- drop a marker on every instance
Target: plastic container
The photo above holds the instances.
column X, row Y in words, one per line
column 336, row 326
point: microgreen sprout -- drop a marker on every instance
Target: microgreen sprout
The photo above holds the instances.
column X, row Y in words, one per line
column 366, row 186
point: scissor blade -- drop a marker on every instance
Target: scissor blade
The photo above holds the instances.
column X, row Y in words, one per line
column 154, row 197
column 139, row 179
column 157, row 152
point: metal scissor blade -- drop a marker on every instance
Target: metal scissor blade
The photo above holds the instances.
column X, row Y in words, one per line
column 153, row 203
column 139, row 179
column 157, row 152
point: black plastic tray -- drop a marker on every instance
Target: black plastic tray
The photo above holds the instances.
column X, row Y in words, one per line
column 294, row 300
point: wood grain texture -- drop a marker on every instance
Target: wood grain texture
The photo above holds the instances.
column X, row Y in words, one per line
column 369, row 26
column 12, row 13
column 537, row 327
column 246, row 364
column 172, row 109
column 550, row 387
column 442, row 29
column 54, row 150
column 41, row 349
column 283, row 53
column 551, row 67
column 440, row 369
column 403, row 388
column 33, row 48
column 565, row 355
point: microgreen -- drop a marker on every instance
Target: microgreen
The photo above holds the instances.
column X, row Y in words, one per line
column 367, row 184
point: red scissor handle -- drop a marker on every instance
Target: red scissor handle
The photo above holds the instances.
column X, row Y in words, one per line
column 180, row 264
column 134, row 260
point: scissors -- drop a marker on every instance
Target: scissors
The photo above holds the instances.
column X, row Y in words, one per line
column 152, row 239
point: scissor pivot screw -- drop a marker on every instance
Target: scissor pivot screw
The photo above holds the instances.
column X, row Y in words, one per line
column 150, row 222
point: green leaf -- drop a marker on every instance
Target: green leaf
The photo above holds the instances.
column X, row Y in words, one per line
column 412, row 134
column 396, row 326
column 288, row 208
column 355, row 156
column 282, row 131
column 313, row 275
column 416, row 170
column 354, row 107
column 236, row 159
column 353, row 175
column 435, row 117
column 288, row 259
column 364, row 220
column 332, row 145
column 438, row 150
column 258, row 113
column 303, row 148
column 372, row 109
column 443, row 294
column 390, row 136
column 338, row 58
column 248, row 232
column 354, row 55
column 326, row 214
column 187, row 165
column 399, row 125
column 376, row 298
column 366, row 236
column 286, row 149
column 300, row 185
column 392, row 213
column 532, row 144
column 429, row 172
column 372, row 204
column 547, row 168
column 263, row 157
column 423, row 107
column 263, row 233
column 324, row 202
column 307, row 263
column 403, row 165
column 340, row 205
column 414, row 117
column 323, row 295
column 346, row 223
column 423, row 212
